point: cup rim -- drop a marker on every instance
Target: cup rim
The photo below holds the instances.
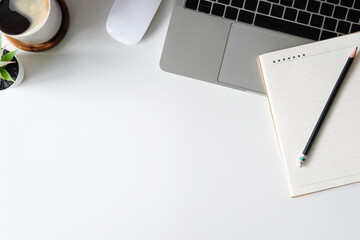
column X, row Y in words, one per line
column 25, row 34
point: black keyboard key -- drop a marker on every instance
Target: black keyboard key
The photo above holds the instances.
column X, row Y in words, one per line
column 353, row 16
column 287, row 27
column 290, row 14
column 330, row 24
column 245, row 16
column 204, row 6
column 192, row 4
column 340, row 12
column 303, row 17
column 264, row 7
column 224, row 1
column 286, row 2
column 301, row 4
column 343, row 27
column 237, row 3
column 333, row 1
column 355, row 28
column 313, row 6
column 357, row 4
column 274, row 1
column 277, row 11
column 316, row 20
column 326, row 35
column 218, row 10
column 251, row 5
column 347, row 3
column 231, row 13
column 327, row 9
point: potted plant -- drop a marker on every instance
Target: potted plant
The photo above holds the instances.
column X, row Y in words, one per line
column 11, row 69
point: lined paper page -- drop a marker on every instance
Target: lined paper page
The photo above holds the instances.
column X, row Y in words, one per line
column 298, row 89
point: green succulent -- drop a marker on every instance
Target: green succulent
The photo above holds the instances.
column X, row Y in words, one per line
column 4, row 61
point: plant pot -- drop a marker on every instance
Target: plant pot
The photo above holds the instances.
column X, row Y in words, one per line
column 16, row 71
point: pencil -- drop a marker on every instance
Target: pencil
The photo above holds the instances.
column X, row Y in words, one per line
column 326, row 108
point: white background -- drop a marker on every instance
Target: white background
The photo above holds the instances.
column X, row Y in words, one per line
column 99, row 143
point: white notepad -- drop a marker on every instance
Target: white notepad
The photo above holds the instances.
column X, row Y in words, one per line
column 298, row 82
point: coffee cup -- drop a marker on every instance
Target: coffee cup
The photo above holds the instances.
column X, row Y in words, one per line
column 45, row 20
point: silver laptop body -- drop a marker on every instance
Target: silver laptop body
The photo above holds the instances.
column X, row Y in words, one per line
column 219, row 50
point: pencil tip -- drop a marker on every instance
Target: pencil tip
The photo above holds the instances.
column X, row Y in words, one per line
column 353, row 53
column 300, row 164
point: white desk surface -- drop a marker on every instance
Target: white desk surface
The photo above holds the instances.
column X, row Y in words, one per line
column 99, row 143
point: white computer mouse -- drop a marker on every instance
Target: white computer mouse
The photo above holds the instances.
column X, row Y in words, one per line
column 129, row 19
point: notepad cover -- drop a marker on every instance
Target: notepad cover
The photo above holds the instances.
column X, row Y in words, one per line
column 298, row 82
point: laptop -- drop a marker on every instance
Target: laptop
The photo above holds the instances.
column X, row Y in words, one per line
column 218, row 41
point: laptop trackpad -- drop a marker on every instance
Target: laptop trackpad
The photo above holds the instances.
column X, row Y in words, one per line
column 240, row 66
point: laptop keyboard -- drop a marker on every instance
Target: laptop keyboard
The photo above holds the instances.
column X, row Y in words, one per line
column 310, row 19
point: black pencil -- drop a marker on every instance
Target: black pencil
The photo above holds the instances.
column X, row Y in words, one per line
column 326, row 108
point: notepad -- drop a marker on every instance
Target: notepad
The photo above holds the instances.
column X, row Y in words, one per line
column 298, row 82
